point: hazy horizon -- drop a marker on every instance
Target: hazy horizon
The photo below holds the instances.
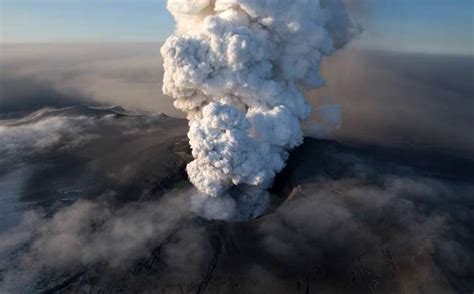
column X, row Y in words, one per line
column 375, row 88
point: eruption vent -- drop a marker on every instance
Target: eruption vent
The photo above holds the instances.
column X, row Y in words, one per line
column 239, row 68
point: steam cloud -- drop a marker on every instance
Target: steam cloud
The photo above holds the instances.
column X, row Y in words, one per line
column 238, row 68
column 18, row 142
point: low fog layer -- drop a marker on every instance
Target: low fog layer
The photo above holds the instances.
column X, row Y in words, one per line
column 104, row 206
column 412, row 100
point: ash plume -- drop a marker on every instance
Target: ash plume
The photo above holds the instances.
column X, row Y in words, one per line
column 239, row 68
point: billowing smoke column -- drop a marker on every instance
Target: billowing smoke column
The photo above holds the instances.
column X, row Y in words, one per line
column 239, row 68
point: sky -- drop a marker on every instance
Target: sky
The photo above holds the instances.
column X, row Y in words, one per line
column 427, row 26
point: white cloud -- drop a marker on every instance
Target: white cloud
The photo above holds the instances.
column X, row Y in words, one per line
column 238, row 68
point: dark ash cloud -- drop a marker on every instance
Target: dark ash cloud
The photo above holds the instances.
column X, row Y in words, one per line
column 393, row 99
column 114, row 74
column 406, row 100
column 26, row 95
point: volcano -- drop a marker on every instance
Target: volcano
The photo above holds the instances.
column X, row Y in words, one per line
column 101, row 205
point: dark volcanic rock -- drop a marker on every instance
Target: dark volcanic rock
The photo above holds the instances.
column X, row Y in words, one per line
column 323, row 159
column 133, row 155
column 345, row 219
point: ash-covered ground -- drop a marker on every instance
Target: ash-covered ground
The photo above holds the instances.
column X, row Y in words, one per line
column 96, row 200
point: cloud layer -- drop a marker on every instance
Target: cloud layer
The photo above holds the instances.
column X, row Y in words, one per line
column 387, row 98
column 360, row 223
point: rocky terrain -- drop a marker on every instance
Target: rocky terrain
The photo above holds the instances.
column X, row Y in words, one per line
column 99, row 203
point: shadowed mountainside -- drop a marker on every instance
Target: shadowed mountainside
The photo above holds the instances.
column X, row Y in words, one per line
column 116, row 217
